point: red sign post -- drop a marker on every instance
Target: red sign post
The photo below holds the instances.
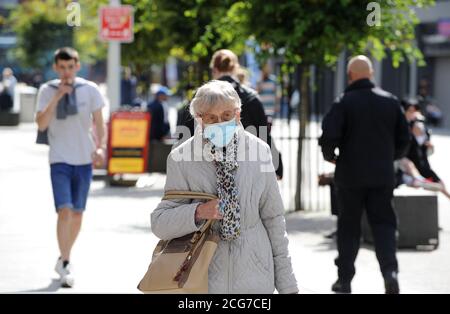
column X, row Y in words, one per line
column 116, row 23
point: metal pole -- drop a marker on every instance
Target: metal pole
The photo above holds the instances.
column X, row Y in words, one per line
column 378, row 69
column 339, row 79
column 413, row 79
column 113, row 71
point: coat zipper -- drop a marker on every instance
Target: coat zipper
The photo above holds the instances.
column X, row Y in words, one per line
column 229, row 267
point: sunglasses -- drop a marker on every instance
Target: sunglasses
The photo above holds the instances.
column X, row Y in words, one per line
column 225, row 116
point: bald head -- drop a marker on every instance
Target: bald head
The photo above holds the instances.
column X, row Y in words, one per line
column 359, row 67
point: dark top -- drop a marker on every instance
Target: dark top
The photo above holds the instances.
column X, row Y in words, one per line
column 128, row 91
column 159, row 128
column 368, row 126
column 418, row 154
column 6, row 100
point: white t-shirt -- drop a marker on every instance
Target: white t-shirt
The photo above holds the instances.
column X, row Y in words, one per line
column 70, row 139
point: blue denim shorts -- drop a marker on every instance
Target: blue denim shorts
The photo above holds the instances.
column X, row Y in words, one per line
column 70, row 185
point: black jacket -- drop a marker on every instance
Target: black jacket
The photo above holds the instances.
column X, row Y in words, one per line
column 159, row 128
column 368, row 126
column 418, row 154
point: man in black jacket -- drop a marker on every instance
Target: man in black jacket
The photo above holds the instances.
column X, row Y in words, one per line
column 369, row 128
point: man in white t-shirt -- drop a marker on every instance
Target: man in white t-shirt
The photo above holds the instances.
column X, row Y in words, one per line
column 66, row 108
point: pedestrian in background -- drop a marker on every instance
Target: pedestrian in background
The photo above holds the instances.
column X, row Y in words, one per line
column 7, row 88
column 267, row 90
column 415, row 169
column 428, row 107
column 160, row 127
column 368, row 126
column 243, row 76
column 128, row 86
column 65, row 110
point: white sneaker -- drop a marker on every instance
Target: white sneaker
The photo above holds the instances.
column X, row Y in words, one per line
column 65, row 273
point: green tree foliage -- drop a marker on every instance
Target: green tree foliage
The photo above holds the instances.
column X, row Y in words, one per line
column 86, row 39
column 150, row 45
column 316, row 31
column 194, row 29
column 41, row 27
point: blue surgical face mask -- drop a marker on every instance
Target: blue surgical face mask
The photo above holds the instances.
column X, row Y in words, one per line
column 220, row 134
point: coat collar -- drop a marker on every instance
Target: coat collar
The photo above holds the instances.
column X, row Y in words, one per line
column 360, row 84
column 228, row 79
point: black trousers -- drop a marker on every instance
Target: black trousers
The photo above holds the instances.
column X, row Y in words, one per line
column 382, row 219
column 334, row 199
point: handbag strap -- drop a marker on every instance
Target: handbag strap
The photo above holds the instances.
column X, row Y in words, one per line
column 170, row 195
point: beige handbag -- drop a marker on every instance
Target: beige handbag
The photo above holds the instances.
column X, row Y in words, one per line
column 181, row 265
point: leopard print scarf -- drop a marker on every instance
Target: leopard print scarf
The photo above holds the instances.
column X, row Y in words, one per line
column 225, row 162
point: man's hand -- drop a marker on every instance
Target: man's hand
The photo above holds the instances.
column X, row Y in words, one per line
column 208, row 210
column 64, row 88
column 44, row 117
column 98, row 157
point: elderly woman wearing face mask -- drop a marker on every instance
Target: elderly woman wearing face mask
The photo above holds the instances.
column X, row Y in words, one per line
column 223, row 159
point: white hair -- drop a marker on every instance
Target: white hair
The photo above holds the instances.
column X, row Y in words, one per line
column 214, row 93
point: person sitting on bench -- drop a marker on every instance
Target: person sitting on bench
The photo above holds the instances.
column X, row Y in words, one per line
column 415, row 169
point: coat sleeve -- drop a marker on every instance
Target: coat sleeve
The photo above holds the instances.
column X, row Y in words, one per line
column 332, row 131
column 272, row 215
column 174, row 218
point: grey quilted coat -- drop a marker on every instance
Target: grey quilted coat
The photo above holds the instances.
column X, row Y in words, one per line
column 258, row 261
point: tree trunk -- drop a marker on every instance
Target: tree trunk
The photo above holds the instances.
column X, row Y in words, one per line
column 164, row 74
column 303, row 110
column 202, row 68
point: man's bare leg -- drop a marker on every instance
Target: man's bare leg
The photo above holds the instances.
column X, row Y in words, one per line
column 63, row 230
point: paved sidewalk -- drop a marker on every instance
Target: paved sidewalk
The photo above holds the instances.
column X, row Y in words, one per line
column 115, row 245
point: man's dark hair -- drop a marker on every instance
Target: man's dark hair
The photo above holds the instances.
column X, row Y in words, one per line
column 66, row 53
column 407, row 103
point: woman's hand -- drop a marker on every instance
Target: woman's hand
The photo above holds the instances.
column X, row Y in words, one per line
column 208, row 210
